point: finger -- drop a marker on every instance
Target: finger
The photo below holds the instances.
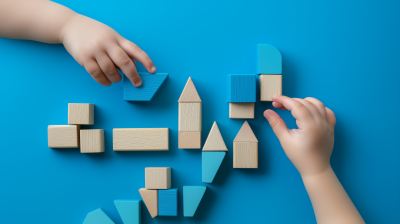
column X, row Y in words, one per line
column 278, row 105
column 134, row 51
column 108, row 67
column 277, row 124
column 313, row 110
column 125, row 63
column 299, row 111
column 94, row 70
column 331, row 117
column 319, row 105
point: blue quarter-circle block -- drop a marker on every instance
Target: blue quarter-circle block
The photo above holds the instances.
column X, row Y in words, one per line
column 168, row 202
column 150, row 84
column 129, row 210
column 269, row 60
column 97, row 217
column 192, row 196
column 242, row 88
column 211, row 161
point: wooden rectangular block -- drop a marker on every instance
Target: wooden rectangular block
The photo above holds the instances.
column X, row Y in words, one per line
column 140, row 139
column 245, row 154
column 158, row 177
column 168, row 202
column 63, row 136
column 189, row 140
column 92, row 140
column 242, row 88
column 270, row 85
column 189, row 117
column 241, row 110
column 81, row 113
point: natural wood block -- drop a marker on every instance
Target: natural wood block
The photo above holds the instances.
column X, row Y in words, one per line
column 189, row 93
column 214, row 141
column 245, row 154
column 63, row 136
column 270, row 85
column 189, row 117
column 92, row 140
column 241, row 110
column 189, row 140
column 150, row 199
column 245, row 134
column 158, row 177
column 140, row 139
column 80, row 113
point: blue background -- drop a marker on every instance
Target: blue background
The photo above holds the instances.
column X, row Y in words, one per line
column 345, row 53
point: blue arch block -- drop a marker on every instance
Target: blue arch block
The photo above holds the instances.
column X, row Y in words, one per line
column 97, row 217
column 151, row 83
column 192, row 196
column 168, row 202
column 269, row 60
column 129, row 211
column 211, row 161
column 242, row 88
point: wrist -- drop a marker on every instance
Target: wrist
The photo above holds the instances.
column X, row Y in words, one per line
column 69, row 23
column 328, row 171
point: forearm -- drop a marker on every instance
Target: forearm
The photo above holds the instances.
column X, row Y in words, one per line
column 330, row 201
column 39, row 20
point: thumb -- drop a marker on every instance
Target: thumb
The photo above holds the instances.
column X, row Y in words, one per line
column 277, row 124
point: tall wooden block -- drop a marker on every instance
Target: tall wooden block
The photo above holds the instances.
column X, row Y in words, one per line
column 97, row 217
column 241, row 110
column 270, row 85
column 189, row 140
column 63, row 136
column 269, row 60
column 214, row 141
column 192, row 196
column 81, row 113
column 150, row 199
column 140, row 139
column 129, row 211
column 92, row 140
column 189, row 117
column 245, row 148
column 242, row 88
column 158, row 177
column 150, row 85
column 211, row 161
column 168, row 202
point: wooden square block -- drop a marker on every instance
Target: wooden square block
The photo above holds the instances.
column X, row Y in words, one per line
column 80, row 113
column 158, row 177
column 245, row 154
column 242, row 88
column 92, row 141
column 270, row 85
column 189, row 117
column 189, row 140
column 140, row 139
column 63, row 136
column 241, row 110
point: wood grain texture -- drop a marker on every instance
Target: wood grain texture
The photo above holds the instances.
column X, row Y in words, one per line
column 158, row 177
column 270, row 85
column 269, row 60
column 214, row 141
column 245, row 154
column 241, row 88
column 189, row 140
column 140, row 139
column 189, row 117
column 151, row 83
column 241, row 110
column 81, row 113
column 92, row 140
column 189, row 93
column 150, row 199
column 245, row 134
column 63, row 136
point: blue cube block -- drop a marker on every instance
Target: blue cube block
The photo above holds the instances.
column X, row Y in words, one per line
column 168, row 202
column 150, row 84
column 241, row 88
column 269, row 60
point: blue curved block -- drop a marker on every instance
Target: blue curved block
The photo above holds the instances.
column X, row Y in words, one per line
column 192, row 196
column 97, row 217
column 242, row 88
column 129, row 211
column 150, row 84
column 269, row 60
column 168, row 202
column 211, row 161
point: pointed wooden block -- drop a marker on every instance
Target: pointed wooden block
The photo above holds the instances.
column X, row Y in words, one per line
column 150, row 199
column 245, row 134
column 97, row 217
column 189, row 93
column 245, row 154
column 241, row 110
column 168, row 202
column 158, row 177
column 192, row 196
column 214, row 141
column 189, row 140
column 269, row 60
column 270, row 85
column 129, row 211
column 211, row 161
column 151, row 83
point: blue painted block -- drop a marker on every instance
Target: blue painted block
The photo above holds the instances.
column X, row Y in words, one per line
column 211, row 161
column 269, row 60
column 151, row 83
column 129, row 211
column 168, row 202
column 241, row 88
column 192, row 196
column 97, row 217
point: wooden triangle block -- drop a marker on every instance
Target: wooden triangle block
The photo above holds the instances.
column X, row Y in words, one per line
column 97, row 217
column 214, row 141
column 210, row 163
column 245, row 134
column 189, row 93
column 150, row 199
column 129, row 210
column 192, row 196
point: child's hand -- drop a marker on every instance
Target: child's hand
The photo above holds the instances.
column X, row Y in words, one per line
column 101, row 50
column 309, row 147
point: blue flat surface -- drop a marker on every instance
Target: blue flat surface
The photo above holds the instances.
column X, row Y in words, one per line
column 168, row 202
column 345, row 53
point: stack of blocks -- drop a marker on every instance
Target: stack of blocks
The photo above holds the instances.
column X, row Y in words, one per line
column 270, row 70
column 241, row 96
column 245, row 148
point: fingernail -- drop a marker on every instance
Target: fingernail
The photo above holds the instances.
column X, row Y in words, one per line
column 108, row 84
column 137, row 83
column 267, row 114
column 153, row 69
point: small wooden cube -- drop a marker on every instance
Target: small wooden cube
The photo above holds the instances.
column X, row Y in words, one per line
column 189, row 140
column 189, row 117
column 63, row 136
column 241, row 110
column 158, row 177
column 270, row 85
column 245, row 154
column 81, row 113
column 92, row 141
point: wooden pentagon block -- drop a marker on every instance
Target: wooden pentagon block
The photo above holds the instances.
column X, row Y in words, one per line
column 92, row 140
column 81, row 113
column 63, row 136
column 189, row 117
column 241, row 88
column 270, row 85
column 269, row 60
column 189, row 140
column 140, row 139
column 158, row 177
column 245, row 148
column 241, row 110
column 150, row 199
column 214, row 141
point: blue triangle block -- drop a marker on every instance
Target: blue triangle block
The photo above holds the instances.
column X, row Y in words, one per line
column 269, row 60
column 168, row 202
column 151, row 83
column 129, row 211
column 211, row 161
column 192, row 196
column 97, row 217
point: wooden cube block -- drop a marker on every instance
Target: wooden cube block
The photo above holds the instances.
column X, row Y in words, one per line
column 242, row 88
column 241, row 110
column 189, row 117
column 269, row 60
column 63, row 136
column 140, row 139
column 80, row 113
column 158, row 177
column 189, row 140
column 92, row 140
column 245, row 155
column 270, row 85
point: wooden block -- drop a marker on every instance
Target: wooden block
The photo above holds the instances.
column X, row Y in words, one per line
column 168, row 202
column 189, row 93
column 189, row 117
column 214, row 141
column 245, row 134
column 150, row 199
column 269, row 60
column 129, row 211
column 92, row 140
column 97, row 217
column 241, row 110
column 245, row 154
column 241, row 88
column 189, row 140
column 192, row 196
column 140, row 139
column 150, row 85
column 270, row 85
column 158, row 177
column 211, row 161
column 63, row 136
column 81, row 113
